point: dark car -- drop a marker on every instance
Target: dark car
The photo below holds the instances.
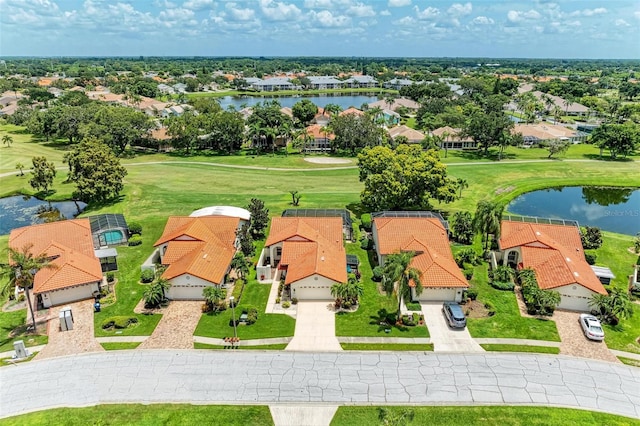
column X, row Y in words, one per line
column 454, row 315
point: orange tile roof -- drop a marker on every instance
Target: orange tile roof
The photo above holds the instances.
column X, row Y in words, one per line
column 554, row 252
column 351, row 110
column 72, row 244
column 199, row 246
column 310, row 246
column 318, row 132
column 429, row 240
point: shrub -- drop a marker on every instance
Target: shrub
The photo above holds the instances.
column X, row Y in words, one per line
column 286, row 305
column 472, row 294
column 365, row 220
column 136, row 240
column 591, row 237
column 407, row 321
column 205, row 307
column 366, row 243
column 468, row 272
column 462, row 227
column 277, row 300
column 294, row 301
column 391, row 318
column 111, row 277
column 503, row 285
column 147, row 275
column 414, row 306
column 252, row 318
column 489, row 307
column 590, row 257
column 378, row 271
column 502, row 273
column 135, row 228
column 538, row 301
column 118, row 322
column 466, row 255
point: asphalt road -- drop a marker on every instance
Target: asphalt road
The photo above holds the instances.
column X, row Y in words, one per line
column 277, row 377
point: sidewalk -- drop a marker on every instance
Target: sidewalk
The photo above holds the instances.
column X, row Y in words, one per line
column 405, row 340
column 252, row 342
column 523, row 342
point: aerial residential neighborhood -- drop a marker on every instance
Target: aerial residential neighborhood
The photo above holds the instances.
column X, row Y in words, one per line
column 319, row 212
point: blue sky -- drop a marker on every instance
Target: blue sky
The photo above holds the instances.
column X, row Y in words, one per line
column 414, row 28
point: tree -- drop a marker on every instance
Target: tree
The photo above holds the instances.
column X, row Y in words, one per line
column 461, row 184
column 212, row 295
column 405, row 177
column 184, row 131
column 118, row 127
column 259, row 217
column 20, row 167
column 401, row 277
column 267, row 123
column 338, row 291
column 488, row 129
column 487, row 220
column 557, row 147
column 22, row 268
column 613, row 307
column 295, row 197
column 246, row 241
column 43, row 173
column 240, row 265
column 333, row 109
column 7, row 140
column 304, row 111
column 619, row 139
column 354, row 132
column 154, row 295
column 225, row 131
column 591, row 237
column 353, row 290
column 96, row 171
column 462, row 227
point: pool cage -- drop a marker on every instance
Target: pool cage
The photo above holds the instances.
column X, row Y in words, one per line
column 108, row 230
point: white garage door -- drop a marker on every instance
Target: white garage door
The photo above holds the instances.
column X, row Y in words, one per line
column 312, row 292
column 574, row 303
column 69, row 295
column 438, row 294
column 177, row 292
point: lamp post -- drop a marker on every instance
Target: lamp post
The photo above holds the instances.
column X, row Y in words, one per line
column 233, row 313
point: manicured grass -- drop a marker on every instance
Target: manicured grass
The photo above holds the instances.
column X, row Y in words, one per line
column 25, row 147
column 489, row 415
column 10, row 361
column 386, row 347
column 507, row 321
column 629, row 361
column 268, row 325
column 151, row 415
column 274, row 347
column 118, row 346
column 520, row 348
column 12, row 320
column 366, row 320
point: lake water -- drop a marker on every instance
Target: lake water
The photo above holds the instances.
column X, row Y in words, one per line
column 345, row 101
column 19, row 211
column 610, row 209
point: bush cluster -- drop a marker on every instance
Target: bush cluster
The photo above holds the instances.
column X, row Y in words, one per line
column 502, row 285
column 378, row 271
column 147, row 276
column 135, row 228
column 119, row 322
column 135, row 240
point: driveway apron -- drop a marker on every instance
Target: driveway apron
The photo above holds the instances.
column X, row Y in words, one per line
column 444, row 338
column 574, row 342
column 175, row 329
column 315, row 328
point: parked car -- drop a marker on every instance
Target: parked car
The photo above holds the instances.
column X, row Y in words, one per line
column 591, row 327
column 454, row 315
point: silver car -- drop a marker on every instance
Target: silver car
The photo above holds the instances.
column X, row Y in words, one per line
column 591, row 327
column 454, row 315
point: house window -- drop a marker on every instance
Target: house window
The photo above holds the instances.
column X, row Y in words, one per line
column 278, row 251
column 512, row 258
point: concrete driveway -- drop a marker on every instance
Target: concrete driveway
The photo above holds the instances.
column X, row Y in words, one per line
column 315, row 328
column 444, row 338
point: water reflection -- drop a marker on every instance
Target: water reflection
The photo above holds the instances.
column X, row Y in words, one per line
column 19, row 210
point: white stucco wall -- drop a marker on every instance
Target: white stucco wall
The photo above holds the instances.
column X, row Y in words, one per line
column 441, row 294
column 68, row 295
column 315, row 287
column 187, row 287
column 575, row 297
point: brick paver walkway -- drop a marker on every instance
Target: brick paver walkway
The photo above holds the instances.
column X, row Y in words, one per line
column 175, row 329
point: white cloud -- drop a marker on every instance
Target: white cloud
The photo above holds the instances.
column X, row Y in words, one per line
column 176, row 14
column 399, row 3
column 279, row 11
column 637, row 14
column 164, row 4
column 622, row 23
column 240, row 14
column 407, row 21
column 458, row 9
column 597, row 11
column 428, row 13
column 197, row 4
column 517, row 16
column 385, row 13
column 317, row 4
column 327, row 19
column 483, row 20
column 361, row 10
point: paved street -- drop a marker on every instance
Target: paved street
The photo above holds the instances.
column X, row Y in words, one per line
column 265, row 377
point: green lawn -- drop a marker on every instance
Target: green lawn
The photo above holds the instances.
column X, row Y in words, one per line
column 386, row 347
column 275, row 347
column 118, row 346
column 489, row 415
column 25, row 147
column 520, row 348
column 507, row 321
column 9, row 321
column 151, row 415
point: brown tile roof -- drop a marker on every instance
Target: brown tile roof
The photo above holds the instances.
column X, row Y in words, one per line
column 407, row 132
column 554, row 252
column 428, row 239
column 351, row 110
column 544, row 131
column 71, row 243
column 452, row 134
column 160, row 134
column 310, row 246
column 199, row 246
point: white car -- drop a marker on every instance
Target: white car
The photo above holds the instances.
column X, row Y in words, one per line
column 591, row 327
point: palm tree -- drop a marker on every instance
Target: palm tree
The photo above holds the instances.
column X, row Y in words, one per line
column 22, row 268
column 548, row 102
column 461, row 184
column 354, row 290
column 240, row 265
column 333, row 109
column 557, row 113
column 487, row 220
column 7, row 140
column 338, row 291
column 612, row 307
column 20, row 166
column 154, row 295
column 212, row 295
column 400, row 276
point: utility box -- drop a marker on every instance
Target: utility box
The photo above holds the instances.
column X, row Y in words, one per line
column 63, row 322
column 66, row 316
column 21, row 351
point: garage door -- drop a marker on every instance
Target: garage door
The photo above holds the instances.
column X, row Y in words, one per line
column 574, row 303
column 313, row 292
column 72, row 294
column 438, row 294
column 185, row 292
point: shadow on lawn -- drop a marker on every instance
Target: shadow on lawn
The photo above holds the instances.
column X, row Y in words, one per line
column 386, row 320
column 607, row 158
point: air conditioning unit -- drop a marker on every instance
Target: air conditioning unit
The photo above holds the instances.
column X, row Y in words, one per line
column 21, row 351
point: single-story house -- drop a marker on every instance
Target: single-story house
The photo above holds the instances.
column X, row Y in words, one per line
column 197, row 252
column 76, row 273
column 427, row 237
column 347, row 224
column 397, row 103
column 568, row 107
column 452, row 138
column 533, row 134
column 556, row 255
column 320, row 138
column 309, row 254
column 351, row 110
column 412, row 135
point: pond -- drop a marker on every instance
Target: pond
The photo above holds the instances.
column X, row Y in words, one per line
column 21, row 210
column 345, row 101
column 610, row 209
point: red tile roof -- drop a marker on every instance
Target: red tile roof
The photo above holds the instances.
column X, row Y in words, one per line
column 428, row 239
column 310, row 246
column 199, row 246
column 71, row 243
column 554, row 252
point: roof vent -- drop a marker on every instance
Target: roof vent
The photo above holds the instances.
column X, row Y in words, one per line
column 575, row 273
column 322, row 259
column 568, row 259
column 538, row 233
column 205, row 256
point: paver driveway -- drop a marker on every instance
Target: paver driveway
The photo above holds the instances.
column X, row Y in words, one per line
column 574, row 343
column 175, row 329
column 79, row 340
column 315, row 328
column 444, row 338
